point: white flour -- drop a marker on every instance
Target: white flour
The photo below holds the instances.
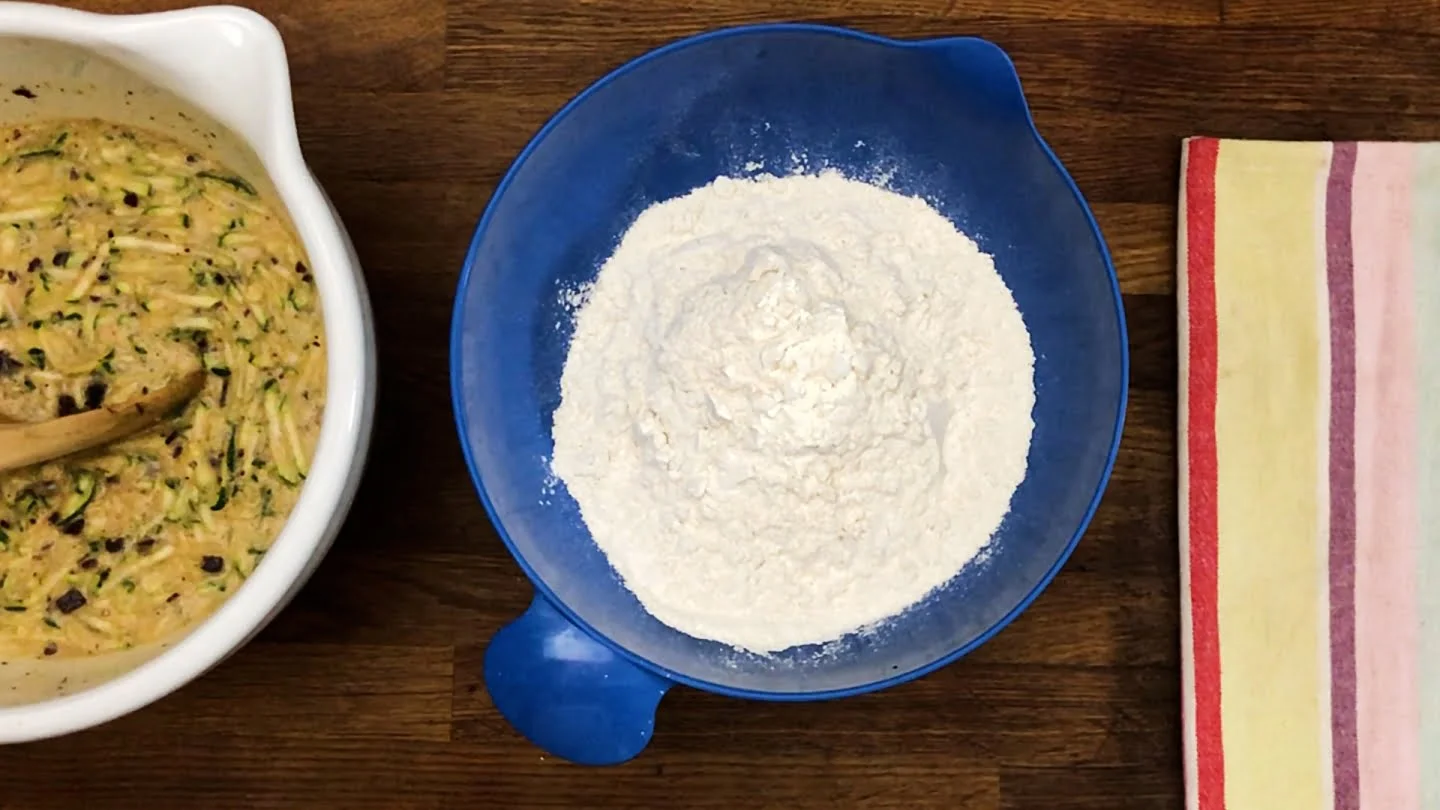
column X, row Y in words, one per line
column 793, row 407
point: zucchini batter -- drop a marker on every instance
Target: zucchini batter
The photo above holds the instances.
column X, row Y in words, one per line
column 125, row 258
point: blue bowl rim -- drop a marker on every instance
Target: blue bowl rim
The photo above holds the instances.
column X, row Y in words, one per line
column 458, row 405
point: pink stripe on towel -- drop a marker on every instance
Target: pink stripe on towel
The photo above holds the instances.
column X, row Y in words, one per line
column 1387, row 630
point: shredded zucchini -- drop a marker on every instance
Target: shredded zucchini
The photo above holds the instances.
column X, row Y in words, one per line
column 132, row 257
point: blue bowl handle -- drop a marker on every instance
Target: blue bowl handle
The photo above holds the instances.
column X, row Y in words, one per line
column 568, row 693
column 987, row 69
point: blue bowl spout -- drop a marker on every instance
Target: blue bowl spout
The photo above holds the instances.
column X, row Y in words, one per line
column 581, row 673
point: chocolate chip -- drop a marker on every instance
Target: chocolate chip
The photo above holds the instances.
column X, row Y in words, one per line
column 145, row 545
column 132, row 199
column 51, row 648
column 35, row 264
column 103, row 277
column 115, row 545
column 60, row 258
column 8, row 365
column 211, row 564
column 71, row 601
column 88, row 563
column 219, row 279
column 67, row 406
column 94, row 395
column 172, row 597
column 74, row 526
column 24, row 92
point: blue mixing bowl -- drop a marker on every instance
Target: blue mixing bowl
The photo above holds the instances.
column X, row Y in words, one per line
column 582, row 671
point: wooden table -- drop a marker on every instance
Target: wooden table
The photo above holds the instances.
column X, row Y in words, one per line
column 366, row 693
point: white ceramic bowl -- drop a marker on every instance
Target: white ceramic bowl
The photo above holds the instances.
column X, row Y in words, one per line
column 215, row 78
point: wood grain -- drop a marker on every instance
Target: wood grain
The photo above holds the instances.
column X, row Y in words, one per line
column 1086, row 787
column 316, row 691
column 494, row 43
column 1144, row 265
column 371, row 44
column 366, row 692
column 1406, row 16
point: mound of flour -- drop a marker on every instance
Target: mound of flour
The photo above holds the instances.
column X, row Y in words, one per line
column 792, row 407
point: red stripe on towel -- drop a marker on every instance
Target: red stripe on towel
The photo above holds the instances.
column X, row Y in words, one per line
column 1203, row 156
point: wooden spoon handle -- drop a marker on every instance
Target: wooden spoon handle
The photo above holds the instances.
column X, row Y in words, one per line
column 23, row 444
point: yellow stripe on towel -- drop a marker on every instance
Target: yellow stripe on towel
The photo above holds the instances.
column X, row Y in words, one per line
column 1271, row 366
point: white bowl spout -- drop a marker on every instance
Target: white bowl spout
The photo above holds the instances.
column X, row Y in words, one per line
column 227, row 61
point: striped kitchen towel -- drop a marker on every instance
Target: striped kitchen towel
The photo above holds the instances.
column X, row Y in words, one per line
column 1309, row 287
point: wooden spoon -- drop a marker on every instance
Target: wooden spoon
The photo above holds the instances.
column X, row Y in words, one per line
column 26, row 443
